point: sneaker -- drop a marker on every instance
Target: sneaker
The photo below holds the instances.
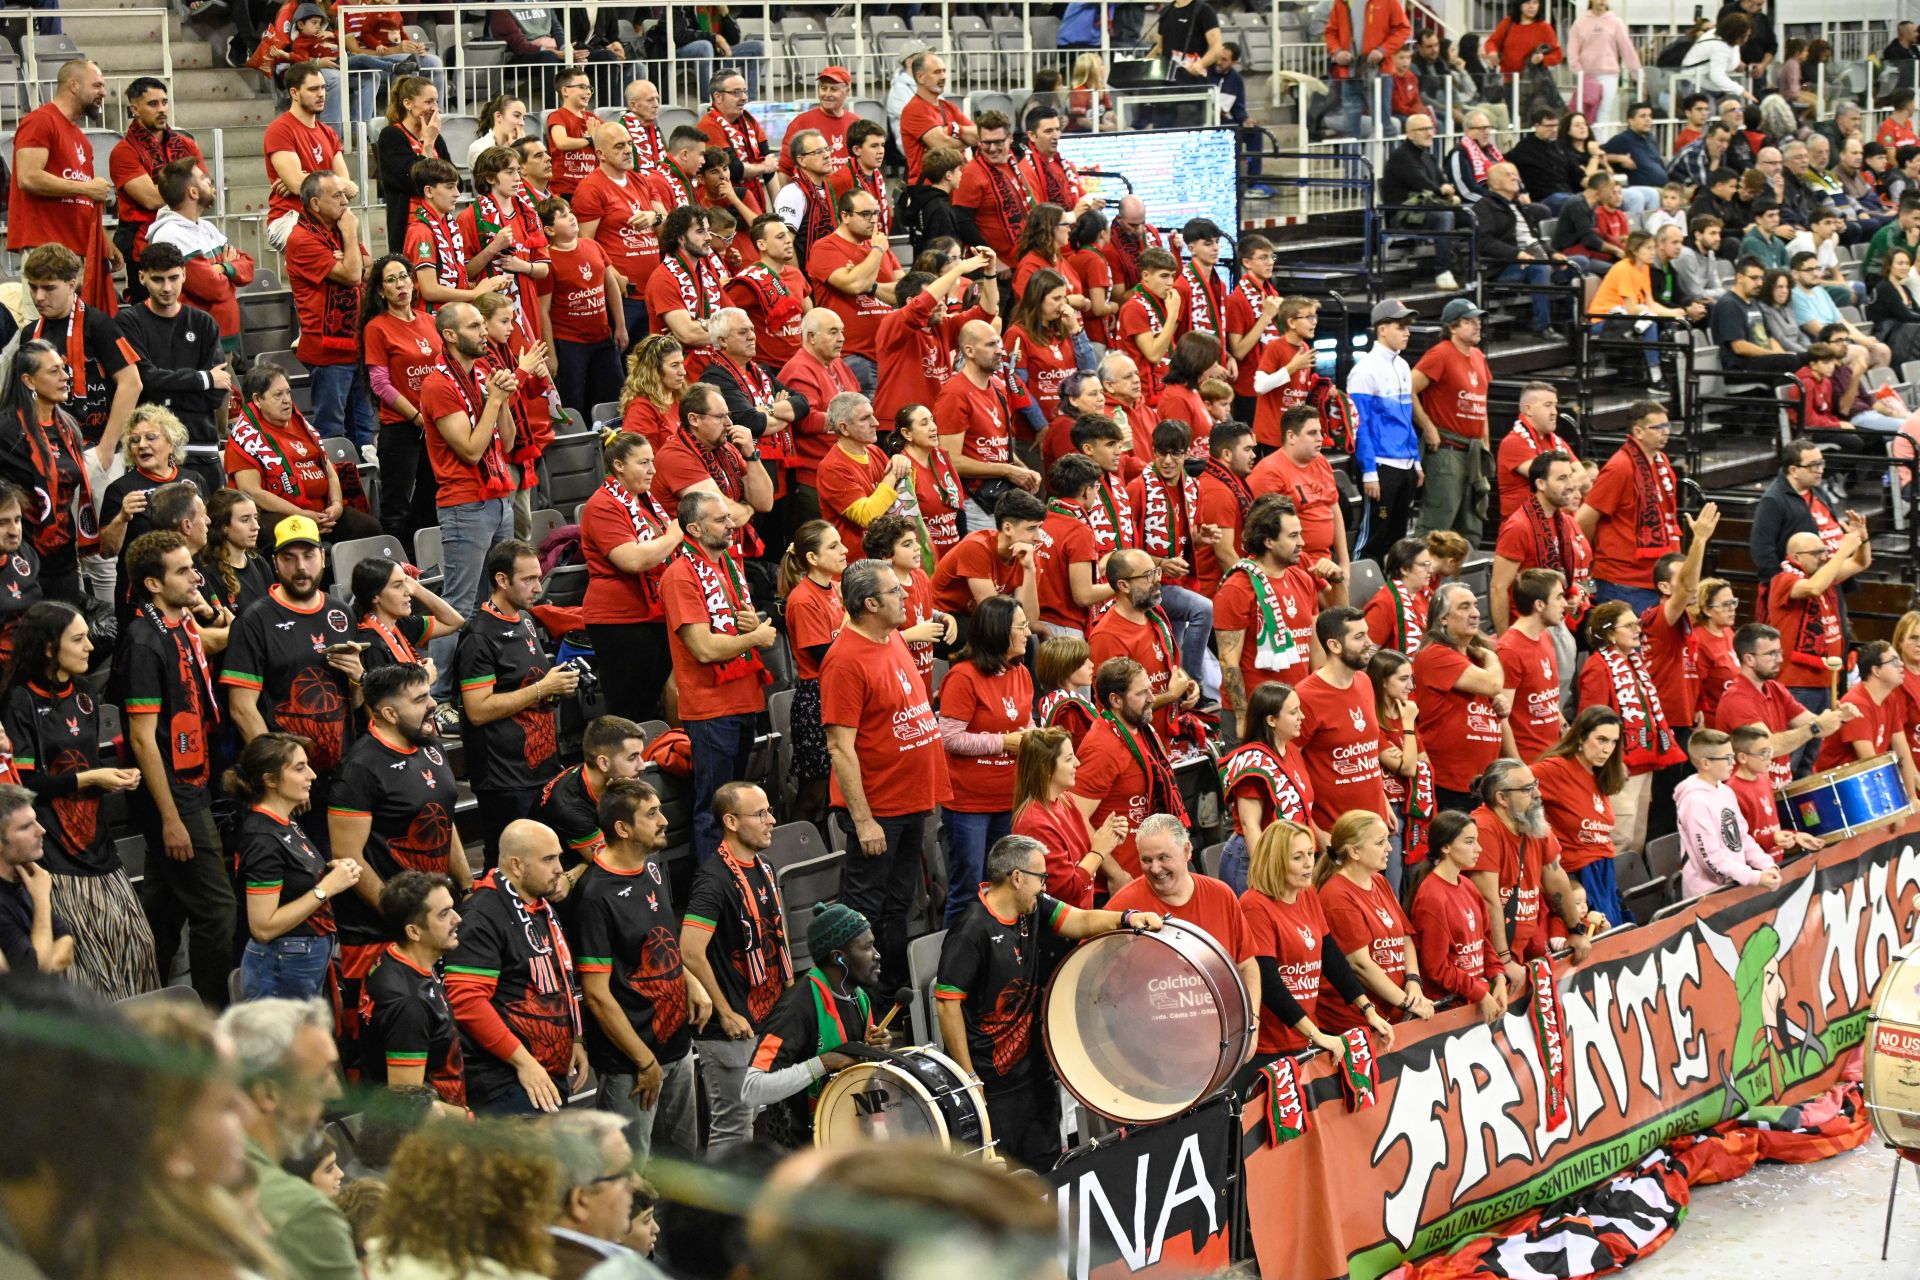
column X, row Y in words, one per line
column 205, row 9
column 1656, row 376
column 236, row 54
column 407, row 66
column 1446, row 283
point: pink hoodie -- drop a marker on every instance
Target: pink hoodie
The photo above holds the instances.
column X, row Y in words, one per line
column 1714, row 839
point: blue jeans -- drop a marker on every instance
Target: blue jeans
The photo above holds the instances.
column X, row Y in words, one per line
column 1353, row 97
column 1639, row 199
column 338, row 408
column 720, row 748
column 969, row 836
column 1640, row 598
column 1603, row 891
column 748, row 57
column 467, row 533
column 1624, row 326
column 867, row 374
column 1533, row 273
column 1192, row 617
column 515, row 1102
column 1556, row 201
column 292, row 967
column 1235, row 862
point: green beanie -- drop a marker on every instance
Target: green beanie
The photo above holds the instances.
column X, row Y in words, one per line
column 835, row 924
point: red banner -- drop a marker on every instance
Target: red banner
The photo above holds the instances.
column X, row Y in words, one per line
column 1749, row 997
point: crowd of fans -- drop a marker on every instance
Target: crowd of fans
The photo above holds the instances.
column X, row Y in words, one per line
column 1042, row 531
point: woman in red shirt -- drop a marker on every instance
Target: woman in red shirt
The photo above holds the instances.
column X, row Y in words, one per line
column 936, row 485
column 1616, row 676
column 1042, row 809
column 1043, row 246
column 1196, row 357
column 810, row 584
column 1406, row 776
column 1294, row 948
column 399, row 346
column 1044, row 347
column 627, row 539
column 1710, row 643
column 275, row 457
column 1524, row 38
column 1579, row 776
column 1450, row 921
column 650, row 397
column 1063, row 668
column 986, row 706
column 1367, row 923
column 1265, row 780
column 1906, row 643
column 1085, row 243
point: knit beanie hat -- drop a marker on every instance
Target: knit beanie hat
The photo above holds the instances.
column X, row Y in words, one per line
column 835, row 924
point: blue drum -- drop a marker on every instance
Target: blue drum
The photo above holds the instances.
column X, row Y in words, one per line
column 1842, row 802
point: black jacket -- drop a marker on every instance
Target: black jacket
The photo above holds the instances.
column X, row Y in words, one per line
column 1496, row 225
column 1576, row 226
column 1410, row 169
column 740, row 403
column 1546, row 168
column 396, row 158
column 176, row 356
column 925, row 213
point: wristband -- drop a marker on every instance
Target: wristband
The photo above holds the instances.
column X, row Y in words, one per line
column 1126, row 919
column 1579, row 930
column 1503, row 956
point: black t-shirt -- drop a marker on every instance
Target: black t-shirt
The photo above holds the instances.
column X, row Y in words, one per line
column 519, row 752
column 408, row 792
column 166, row 674
column 513, row 954
column 621, row 923
column 19, row 591
column 53, row 528
column 403, row 641
column 16, row 926
column 996, row 969
column 107, row 353
column 116, row 496
column 570, row 807
column 1183, row 29
column 277, row 861
column 1732, row 319
column 280, row 649
column 253, row 580
column 405, row 1021
column 792, row 1035
column 740, row 906
column 56, row 734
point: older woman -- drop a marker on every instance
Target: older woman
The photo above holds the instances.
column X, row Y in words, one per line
column 275, row 457
column 1043, row 809
column 1616, row 676
column 41, row 453
column 153, row 448
column 1080, row 393
column 1579, row 776
column 1406, row 773
column 627, row 539
column 1265, row 779
column 1365, row 918
column 1716, row 611
column 656, row 378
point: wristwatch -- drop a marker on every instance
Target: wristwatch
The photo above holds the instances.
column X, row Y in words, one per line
column 319, row 893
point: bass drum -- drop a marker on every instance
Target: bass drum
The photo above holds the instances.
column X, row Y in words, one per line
column 916, row 1094
column 1143, row 1026
column 1841, row 802
column 1891, row 1066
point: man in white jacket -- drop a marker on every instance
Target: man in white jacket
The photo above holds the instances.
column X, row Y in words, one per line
column 1718, row 848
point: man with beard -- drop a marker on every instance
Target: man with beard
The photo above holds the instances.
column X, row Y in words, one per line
column 136, row 161
column 734, row 943
column 1266, row 604
column 161, row 667
column 1167, row 887
column 826, row 1008
column 773, row 292
column 1137, row 626
column 391, row 810
column 643, row 1002
column 993, row 965
column 682, row 292
column 1759, row 698
column 508, row 690
column 1124, row 767
column 288, row 1068
column 19, row 567
column 291, row 665
column 1519, row 861
column 612, row 747
column 1340, row 725
column 510, row 981
column 407, row 1036
column 1225, row 503
column 1539, row 535
column 55, row 199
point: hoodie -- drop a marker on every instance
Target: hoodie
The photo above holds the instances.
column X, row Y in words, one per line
column 1714, row 839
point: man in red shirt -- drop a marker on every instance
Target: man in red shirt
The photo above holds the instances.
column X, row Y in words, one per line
column 711, row 453
column 682, row 294
column 1300, row 470
column 1137, row 626
column 1169, row 887
column 1538, row 535
column 1225, row 501
column 1149, row 321
column 1263, row 613
column 297, row 144
column 1803, row 601
column 1063, row 553
column 1534, row 432
column 1881, row 725
column 853, row 271
column 1340, row 730
column 975, row 419
column 1519, row 865
column 1203, row 296
column 325, row 264
column 55, row 197
column 866, row 153
column 817, row 372
column 641, row 120
column 990, row 202
column 135, row 164
column 1124, row 767
column 1286, row 366
column 831, row 117
column 993, row 561
column 1665, row 627
column 916, row 342
column 857, row 482
column 621, row 211
column 1126, row 404
column 1758, row 698
column 1253, row 309
column 889, row 767
column 715, row 637
column 731, row 127
column 1632, row 513
column 570, row 131
column 772, row 291
column 1048, row 176
column 928, row 121
column 1529, row 665
column 1450, row 407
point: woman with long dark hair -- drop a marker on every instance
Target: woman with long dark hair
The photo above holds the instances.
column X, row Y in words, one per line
column 1046, row 343
column 412, row 133
column 1579, row 776
column 1084, row 244
column 1397, row 613
column 1196, row 357
column 810, row 584
column 397, row 615
column 627, row 539
column 399, row 346
column 54, row 726
column 936, row 484
column 1406, row 775
column 235, row 572
column 1451, row 928
column 1043, row 246
column 41, row 452
column 986, row 707
column 274, row 456
column 1616, row 676
column 1043, row 808
column 1265, row 779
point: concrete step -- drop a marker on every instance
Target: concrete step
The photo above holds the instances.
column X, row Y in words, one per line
column 218, row 85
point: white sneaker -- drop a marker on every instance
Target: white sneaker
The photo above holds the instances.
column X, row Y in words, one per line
column 1446, row 282
column 1657, row 376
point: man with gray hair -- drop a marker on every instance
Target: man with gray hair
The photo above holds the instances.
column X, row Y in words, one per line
column 31, row 935
column 714, row 453
column 806, row 203
column 1167, row 886
column 992, row 969
column 1519, row 862
column 755, row 398
column 325, row 263
column 818, row 374
column 857, row 482
column 596, row 1191
column 289, row 1070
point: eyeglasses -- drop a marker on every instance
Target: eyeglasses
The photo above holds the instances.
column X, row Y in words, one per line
column 996, row 142
column 1811, row 466
column 1532, row 788
column 816, row 151
column 863, row 213
column 1153, row 573
column 1724, row 604
column 723, row 415
column 729, row 93
column 1726, row 759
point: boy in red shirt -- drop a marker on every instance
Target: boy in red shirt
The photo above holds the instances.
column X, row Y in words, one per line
column 1149, row 320
column 580, row 307
column 312, row 42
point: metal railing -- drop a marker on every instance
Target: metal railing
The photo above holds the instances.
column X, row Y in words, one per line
column 41, row 54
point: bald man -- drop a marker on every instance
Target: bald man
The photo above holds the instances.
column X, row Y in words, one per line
column 621, row 211
column 54, row 197
column 1130, row 237
column 1803, row 602
column 976, row 425
column 641, row 120
column 1413, row 176
column 510, row 982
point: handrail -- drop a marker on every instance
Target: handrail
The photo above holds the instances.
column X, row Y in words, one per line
column 31, row 81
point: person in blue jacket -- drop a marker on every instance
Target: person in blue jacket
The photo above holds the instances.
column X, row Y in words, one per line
column 1386, row 447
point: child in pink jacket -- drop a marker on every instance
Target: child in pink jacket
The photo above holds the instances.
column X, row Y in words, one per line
column 1713, row 835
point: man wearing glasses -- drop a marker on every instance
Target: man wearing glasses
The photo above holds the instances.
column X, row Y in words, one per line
column 1758, row 698
column 1880, row 726
column 806, row 203
column 853, row 272
column 991, row 201
column 1519, row 866
column 1803, row 601
column 1740, row 330
column 1797, row 501
column 1412, row 177
column 732, row 128
column 711, row 453
column 1632, row 513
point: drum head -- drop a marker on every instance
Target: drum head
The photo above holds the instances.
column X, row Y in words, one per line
column 1891, row 1067
column 1141, row 1027
column 876, row 1102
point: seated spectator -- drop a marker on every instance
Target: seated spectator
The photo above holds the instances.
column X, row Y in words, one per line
column 1827, row 405
column 1695, row 163
column 1473, row 158
column 1740, row 330
column 1714, row 840
column 1703, row 272
column 1636, row 149
column 1579, row 775
column 1903, row 232
column 1549, row 172
column 275, row 458
column 1891, row 309
column 1817, row 314
column 1593, row 229
column 427, row 1226
column 1695, row 111
column 1413, row 177
column 1720, row 198
column 1672, row 210
column 1624, row 304
column 1776, row 312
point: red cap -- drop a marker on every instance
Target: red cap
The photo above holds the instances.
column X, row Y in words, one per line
column 839, row 75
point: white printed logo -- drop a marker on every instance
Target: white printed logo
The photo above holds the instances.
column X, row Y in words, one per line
column 1359, row 718
column 1386, row 917
column 1013, row 712
column 906, row 684
column 1306, row 937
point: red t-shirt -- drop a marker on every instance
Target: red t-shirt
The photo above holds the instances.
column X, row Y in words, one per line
column 313, row 146
column 1770, row 705
column 666, row 295
column 844, row 480
column 998, row 213
column 1789, row 616
column 986, row 704
column 1296, row 390
column 1236, row 608
column 1580, row 818
column 1109, row 771
column 422, row 249
column 305, row 461
column 1064, row 540
column 1047, row 365
column 578, row 286
column 1219, row 506
column 703, row 694
column 1340, row 741
column 1911, row 689
column 570, row 167
column 1095, row 272
column 975, row 556
column 920, row 607
column 459, row 481
column 1518, row 860
column 940, row 511
column 1877, row 725
column 815, row 615
column 1757, row 807
column 1141, row 315
column 1532, row 671
column 1315, row 496
column 382, row 30
column 861, row 314
column 614, row 595
column 1368, row 920
column 1211, row 907
column 1670, row 661
column 982, row 415
column 1114, row 636
column 1389, row 624
column 1455, row 938
column 1241, row 318
column 1292, row 933
column 1615, row 558
column 633, row 251
column 1063, row 831
column 1456, row 399
column 776, row 323
column 876, row 690
column 1518, row 449
column 915, row 357
column 917, row 118
column 1464, row 725
column 1714, row 667
column 833, row 128
column 408, row 350
column 123, row 166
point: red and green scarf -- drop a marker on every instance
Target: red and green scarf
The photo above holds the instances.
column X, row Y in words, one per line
column 1647, row 741
column 1157, row 527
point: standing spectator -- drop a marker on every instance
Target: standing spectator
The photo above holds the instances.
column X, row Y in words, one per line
column 1265, row 779
column 1386, row 448
column 298, row 144
column 1462, row 691
column 1631, row 515
column 399, row 346
column 103, row 366
column 214, row 267
column 1803, row 601
column 611, row 748
column 1124, row 764
column 135, row 163
column 1367, row 925
column 1137, row 627
column 48, row 207
column 1714, row 58
column 986, row 707
column 1759, row 698
column 412, row 134
column 290, row 922
column 975, row 418
column 1265, row 606
column 991, row 201
column 1043, row 809
column 1225, row 503
column 1397, row 613
column 569, row 126
column 1535, row 431
column 326, row 263
column 627, row 538
column 1599, row 50
column 1064, row 550
column 621, row 211
column 41, row 453
column 1340, row 737
column 1450, row 386
column 182, row 366
column 810, row 587
column 510, row 982
column 583, row 308
column 1360, row 51
column 729, row 126
column 853, row 272
column 929, row 122
column 1519, row 873
column 830, row 117
column 816, row 372
column 1529, row 663
column 1797, row 501
column 1540, row 534
column 1578, row 776
column 1617, row 676
column 1454, row 933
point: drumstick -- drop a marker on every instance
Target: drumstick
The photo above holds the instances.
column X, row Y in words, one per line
column 889, row 1018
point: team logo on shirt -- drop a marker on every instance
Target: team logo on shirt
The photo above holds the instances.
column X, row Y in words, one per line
column 428, row 779
column 586, row 271
column 1470, row 923
column 1386, row 917
column 337, row 619
column 1306, row 937
column 85, row 703
column 1599, row 805
column 1013, row 712
column 73, row 726
column 426, row 348
column 433, row 754
column 1546, row 669
column 906, row 684
column 1359, row 718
